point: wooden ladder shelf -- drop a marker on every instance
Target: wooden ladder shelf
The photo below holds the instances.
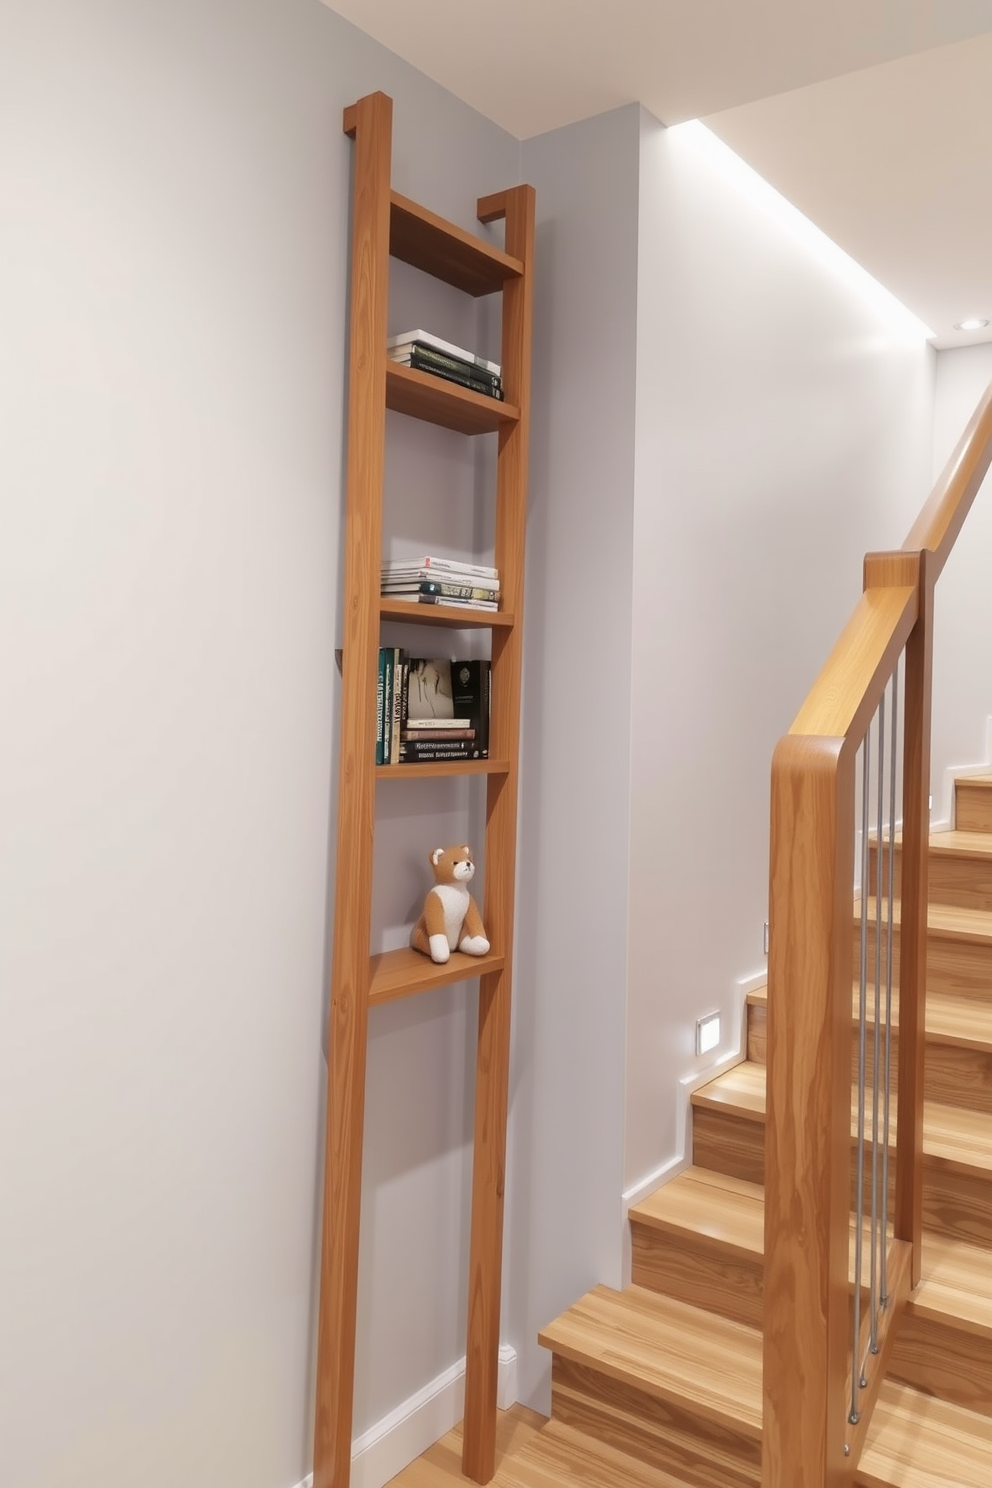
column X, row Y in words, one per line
column 385, row 223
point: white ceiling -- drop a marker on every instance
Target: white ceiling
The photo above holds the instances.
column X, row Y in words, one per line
column 872, row 116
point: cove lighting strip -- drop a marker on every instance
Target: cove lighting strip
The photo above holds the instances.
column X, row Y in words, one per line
column 707, row 146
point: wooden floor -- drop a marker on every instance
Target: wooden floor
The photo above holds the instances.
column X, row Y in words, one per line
column 533, row 1452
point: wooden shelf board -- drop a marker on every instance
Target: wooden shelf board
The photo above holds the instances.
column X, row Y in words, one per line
column 455, row 616
column 423, row 396
column 438, row 247
column 406, row 972
column 442, row 767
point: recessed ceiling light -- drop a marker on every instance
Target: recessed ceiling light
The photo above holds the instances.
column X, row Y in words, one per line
column 974, row 324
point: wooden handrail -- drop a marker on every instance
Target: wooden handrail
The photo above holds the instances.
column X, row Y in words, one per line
column 942, row 517
column 808, row 1442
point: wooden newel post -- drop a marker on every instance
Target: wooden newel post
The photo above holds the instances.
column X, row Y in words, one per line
column 808, row 1134
column 913, row 930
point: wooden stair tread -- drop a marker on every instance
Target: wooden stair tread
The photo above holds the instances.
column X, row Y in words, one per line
column 559, row 1456
column 951, row 843
column 957, row 1282
column 740, row 1089
column 667, row 1349
column 724, row 1209
column 918, row 1441
column 952, row 1135
column 949, row 921
column 957, row 1277
column 952, row 1017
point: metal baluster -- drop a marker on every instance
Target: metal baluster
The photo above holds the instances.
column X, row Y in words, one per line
column 888, row 989
column 877, row 1050
column 862, row 1050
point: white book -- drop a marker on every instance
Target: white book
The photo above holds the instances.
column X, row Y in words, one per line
column 407, row 338
column 412, row 724
column 437, row 567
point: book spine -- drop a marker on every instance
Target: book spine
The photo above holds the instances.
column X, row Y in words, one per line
column 404, row 692
column 387, row 708
column 427, row 355
column 457, row 604
column 401, row 345
column 450, row 374
column 412, row 725
column 378, row 705
column 413, row 736
column 399, row 660
column 432, row 749
column 454, row 565
column 415, row 579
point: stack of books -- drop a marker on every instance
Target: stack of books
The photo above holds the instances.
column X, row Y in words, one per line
column 431, row 708
column 445, row 581
column 427, row 353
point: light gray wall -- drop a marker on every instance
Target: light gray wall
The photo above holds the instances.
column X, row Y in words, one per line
column 782, row 431
column 173, row 235
column 563, row 1224
column 962, row 657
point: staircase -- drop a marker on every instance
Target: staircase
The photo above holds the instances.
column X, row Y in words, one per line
column 661, row 1383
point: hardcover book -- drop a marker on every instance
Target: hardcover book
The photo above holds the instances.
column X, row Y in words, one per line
column 425, row 338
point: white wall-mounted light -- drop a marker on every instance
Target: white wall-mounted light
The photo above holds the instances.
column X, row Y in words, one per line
column 707, row 1033
column 976, row 323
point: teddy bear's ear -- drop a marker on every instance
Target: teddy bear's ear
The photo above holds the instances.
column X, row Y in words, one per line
column 466, row 849
column 436, row 854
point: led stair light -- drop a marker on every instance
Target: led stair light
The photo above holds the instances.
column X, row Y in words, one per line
column 707, row 1033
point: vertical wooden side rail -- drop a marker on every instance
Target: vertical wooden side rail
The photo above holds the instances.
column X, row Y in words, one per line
column 493, row 1055
column 808, row 1129
column 913, row 930
column 370, row 123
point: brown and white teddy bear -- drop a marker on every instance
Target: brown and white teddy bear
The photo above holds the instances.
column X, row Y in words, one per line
column 451, row 919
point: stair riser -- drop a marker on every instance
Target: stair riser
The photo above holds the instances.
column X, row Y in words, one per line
column 963, row 882
column 972, row 806
column 937, row 1358
column 956, row 1075
column 960, row 966
column 694, row 1269
column 700, row 1451
column 955, row 1203
column 699, row 1271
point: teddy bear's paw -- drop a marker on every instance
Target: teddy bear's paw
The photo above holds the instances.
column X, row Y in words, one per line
column 440, row 949
column 474, row 945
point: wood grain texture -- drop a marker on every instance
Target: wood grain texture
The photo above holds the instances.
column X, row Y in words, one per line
column 973, row 803
column 918, row 1442
column 667, row 1437
column 845, row 696
column 938, row 524
column 807, row 1132
column 438, row 247
column 433, row 768
column 384, row 222
column 405, row 973
column 532, row 1452
column 453, row 616
column 940, row 1359
column 913, row 906
column 676, row 1353
column 493, row 1052
column 423, row 396
column 371, row 122
column 960, row 868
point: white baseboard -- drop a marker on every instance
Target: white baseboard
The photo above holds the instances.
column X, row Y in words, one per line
column 402, row 1436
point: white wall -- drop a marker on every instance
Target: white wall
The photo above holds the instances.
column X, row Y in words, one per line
column 782, row 431
column 563, row 1221
column 173, row 234
column 962, row 659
